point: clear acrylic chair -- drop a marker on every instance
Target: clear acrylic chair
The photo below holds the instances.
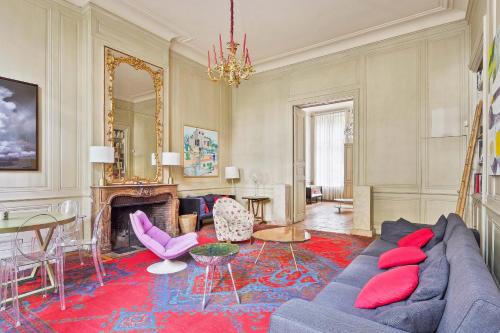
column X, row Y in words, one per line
column 94, row 245
column 72, row 233
column 24, row 257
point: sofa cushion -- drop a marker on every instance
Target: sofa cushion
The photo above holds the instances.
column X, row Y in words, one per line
column 361, row 269
column 406, row 255
column 417, row 317
column 417, row 238
column 432, row 281
column 394, row 231
column 342, row 297
column 433, row 254
column 377, row 247
column 388, row 287
column 438, row 229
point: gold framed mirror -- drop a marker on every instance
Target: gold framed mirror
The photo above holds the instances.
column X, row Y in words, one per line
column 133, row 105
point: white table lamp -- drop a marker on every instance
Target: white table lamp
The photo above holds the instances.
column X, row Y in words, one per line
column 103, row 155
column 170, row 159
column 232, row 173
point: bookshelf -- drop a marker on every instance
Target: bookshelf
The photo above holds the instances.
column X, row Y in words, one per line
column 120, row 144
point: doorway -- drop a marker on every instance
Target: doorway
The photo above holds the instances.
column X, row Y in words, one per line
column 323, row 165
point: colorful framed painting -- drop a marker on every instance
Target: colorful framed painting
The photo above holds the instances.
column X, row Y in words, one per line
column 18, row 125
column 201, row 152
column 493, row 147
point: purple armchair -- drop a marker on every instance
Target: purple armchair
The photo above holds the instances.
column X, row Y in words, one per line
column 161, row 244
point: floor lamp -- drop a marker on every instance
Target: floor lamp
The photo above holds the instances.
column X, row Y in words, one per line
column 103, row 155
column 170, row 159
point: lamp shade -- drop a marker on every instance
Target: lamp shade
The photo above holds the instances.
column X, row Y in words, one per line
column 101, row 154
column 232, row 172
column 153, row 159
column 169, row 158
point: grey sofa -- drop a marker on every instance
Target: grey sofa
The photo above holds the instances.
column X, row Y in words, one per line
column 472, row 297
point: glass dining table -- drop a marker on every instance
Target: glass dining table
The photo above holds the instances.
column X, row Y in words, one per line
column 14, row 224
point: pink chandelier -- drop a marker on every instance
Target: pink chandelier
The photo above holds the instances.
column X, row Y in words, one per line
column 231, row 68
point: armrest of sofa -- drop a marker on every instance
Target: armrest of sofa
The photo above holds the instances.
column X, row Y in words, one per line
column 301, row 316
column 477, row 236
column 190, row 206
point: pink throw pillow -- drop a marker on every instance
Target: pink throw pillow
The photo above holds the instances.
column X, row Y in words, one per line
column 400, row 256
column 385, row 288
column 417, row 238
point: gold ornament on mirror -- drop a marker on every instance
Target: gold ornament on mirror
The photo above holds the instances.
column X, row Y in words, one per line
column 113, row 59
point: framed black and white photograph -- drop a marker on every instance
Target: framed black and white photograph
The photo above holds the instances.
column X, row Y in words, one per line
column 18, row 125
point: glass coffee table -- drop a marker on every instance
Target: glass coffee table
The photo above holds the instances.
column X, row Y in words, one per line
column 212, row 255
column 282, row 235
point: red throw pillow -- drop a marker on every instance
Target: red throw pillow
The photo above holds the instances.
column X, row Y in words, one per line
column 385, row 288
column 400, row 256
column 417, row 238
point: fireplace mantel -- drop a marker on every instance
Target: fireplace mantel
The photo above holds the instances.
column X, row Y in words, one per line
column 103, row 197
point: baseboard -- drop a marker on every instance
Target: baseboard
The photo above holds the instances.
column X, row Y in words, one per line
column 363, row 232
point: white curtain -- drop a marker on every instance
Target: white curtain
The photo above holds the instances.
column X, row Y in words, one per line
column 329, row 153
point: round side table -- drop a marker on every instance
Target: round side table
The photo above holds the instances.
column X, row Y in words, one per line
column 212, row 255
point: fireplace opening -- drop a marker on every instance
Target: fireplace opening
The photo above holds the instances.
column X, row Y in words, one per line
column 123, row 238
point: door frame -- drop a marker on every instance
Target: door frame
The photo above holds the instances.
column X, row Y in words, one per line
column 326, row 98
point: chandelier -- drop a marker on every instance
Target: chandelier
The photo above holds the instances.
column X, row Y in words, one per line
column 231, row 68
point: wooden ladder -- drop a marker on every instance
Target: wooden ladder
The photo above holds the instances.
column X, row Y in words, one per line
column 464, row 184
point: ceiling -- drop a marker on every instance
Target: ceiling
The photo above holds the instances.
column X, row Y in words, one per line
column 281, row 32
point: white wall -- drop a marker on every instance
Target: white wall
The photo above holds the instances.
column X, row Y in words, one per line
column 197, row 101
column 408, row 91
column 60, row 47
column 410, row 107
column 41, row 44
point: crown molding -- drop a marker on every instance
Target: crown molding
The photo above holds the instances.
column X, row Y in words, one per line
column 127, row 10
column 78, row 3
column 446, row 12
column 188, row 51
column 360, row 38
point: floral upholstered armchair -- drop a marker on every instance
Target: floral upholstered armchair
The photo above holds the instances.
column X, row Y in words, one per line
column 232, row 222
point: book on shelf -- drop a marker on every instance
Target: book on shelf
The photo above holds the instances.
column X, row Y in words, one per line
column 478, row 179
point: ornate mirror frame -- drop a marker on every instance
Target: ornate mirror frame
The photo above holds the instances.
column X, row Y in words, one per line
column 112, row 61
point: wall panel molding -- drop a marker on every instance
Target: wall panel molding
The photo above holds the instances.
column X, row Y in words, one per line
column 393, row 105
column 403, row 174
column 52, row 30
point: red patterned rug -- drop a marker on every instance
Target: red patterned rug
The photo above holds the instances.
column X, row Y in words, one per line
column 133, row 300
